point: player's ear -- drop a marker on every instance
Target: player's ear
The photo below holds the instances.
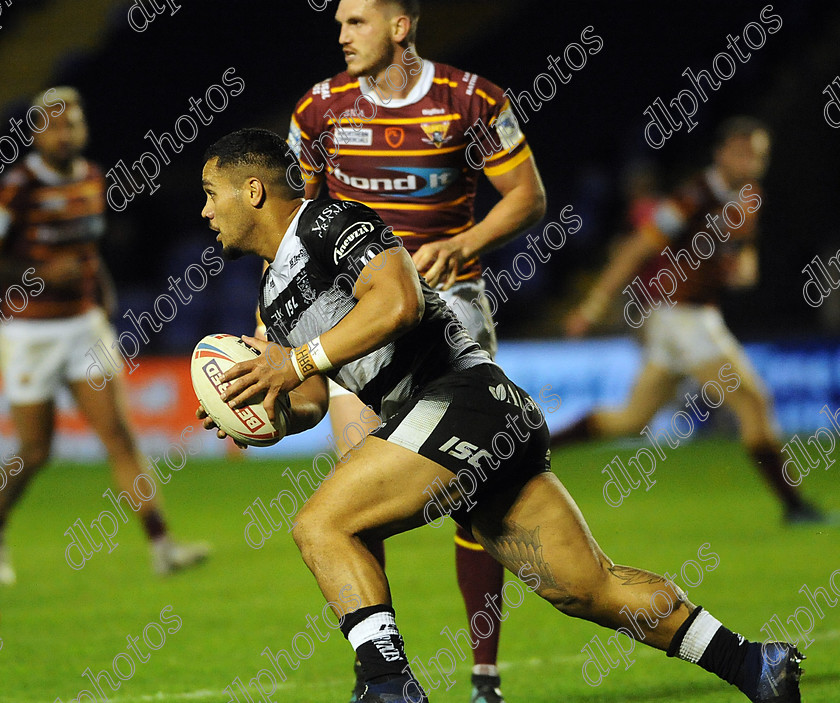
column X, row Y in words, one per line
column 256, row 191
column 401, row 25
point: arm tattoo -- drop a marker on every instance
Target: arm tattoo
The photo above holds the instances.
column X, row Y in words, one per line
column 630, row 576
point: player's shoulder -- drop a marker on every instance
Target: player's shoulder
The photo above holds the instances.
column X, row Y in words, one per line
column 326, row 217
column 468, row 85
column 16, row 177
column 324, row 92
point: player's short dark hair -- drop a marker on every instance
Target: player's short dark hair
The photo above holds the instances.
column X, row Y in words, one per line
column 738, row 126
column 412, row 9
column 261, row 149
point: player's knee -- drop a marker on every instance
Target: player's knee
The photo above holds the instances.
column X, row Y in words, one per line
column 309, row 531
column 578, row 604
column 582, row 598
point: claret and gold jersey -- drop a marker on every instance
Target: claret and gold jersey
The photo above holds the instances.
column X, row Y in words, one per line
column 416, row 161
column 45, row 216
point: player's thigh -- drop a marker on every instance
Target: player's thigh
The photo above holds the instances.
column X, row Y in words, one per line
column 538, row 532
column 732, row 381
column 381, row 490
column 103, row 401
column 472, row 309
column 33, row 356
column 350, row 418
column 654, row 387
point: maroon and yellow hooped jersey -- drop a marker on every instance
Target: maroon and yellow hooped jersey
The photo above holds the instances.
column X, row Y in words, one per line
column 45, row 217
column 416, row 160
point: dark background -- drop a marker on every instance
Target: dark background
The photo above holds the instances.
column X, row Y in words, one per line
column 584, row 139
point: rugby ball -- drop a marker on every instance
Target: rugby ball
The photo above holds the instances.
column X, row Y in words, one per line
column 248, row 424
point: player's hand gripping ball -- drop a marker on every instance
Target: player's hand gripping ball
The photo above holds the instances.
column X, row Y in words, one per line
column 249, row 424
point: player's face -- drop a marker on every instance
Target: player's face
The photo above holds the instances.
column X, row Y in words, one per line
column 226, row 210
column 365, row 37
column 64, row 139
column 743, row 159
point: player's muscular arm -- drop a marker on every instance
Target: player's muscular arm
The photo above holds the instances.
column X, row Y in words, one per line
column 309, row 402
column 629, row 256
column 522, row 204
column 390, row 303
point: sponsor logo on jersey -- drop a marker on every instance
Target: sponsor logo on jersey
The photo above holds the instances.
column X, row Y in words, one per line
column 302, row 255
column 394, row 136
column 507, row 128
column 408, row 181
column 354, row 137
column 471, row 79
column 349, row 238
column 436, row 133
column 507, row 394
column 322, row 222
column 433, row 111
column 322, row 89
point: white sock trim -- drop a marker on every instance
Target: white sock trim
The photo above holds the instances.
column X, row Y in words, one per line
column 699, row 634
column 485, row 670
column 372, row 627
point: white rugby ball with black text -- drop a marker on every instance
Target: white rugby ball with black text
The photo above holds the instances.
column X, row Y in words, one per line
column 248, row 424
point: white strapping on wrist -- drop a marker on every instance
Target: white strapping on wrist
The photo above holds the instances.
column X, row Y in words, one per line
column 319, row 356
column 296, row 366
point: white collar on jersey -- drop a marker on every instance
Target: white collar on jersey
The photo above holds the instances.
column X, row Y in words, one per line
column 51, row 177
column 288, row 246
column 718, row 186
column 418, row 92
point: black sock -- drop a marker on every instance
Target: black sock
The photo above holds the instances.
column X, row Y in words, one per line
column 379, row 646
column 153, row 524
column 702, row 640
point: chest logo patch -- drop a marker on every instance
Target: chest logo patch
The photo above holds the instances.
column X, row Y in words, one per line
column 394, row 136
column 436, row 133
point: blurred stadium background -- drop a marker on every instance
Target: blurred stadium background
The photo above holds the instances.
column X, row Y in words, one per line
column 587, row 139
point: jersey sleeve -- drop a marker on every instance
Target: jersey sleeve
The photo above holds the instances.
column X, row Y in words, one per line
column 305, row 127
column 504, row 138
column 353, row 238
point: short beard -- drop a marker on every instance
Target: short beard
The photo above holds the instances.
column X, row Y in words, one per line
column 386, row 51
column 233, row 253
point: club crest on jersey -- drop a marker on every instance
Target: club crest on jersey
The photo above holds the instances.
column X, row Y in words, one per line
column 436, row 133
column 394, row 136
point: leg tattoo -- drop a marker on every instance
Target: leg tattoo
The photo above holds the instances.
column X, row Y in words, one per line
column 521, row 547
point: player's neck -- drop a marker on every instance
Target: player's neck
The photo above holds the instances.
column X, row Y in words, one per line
column 388, row 87
column 63, row 167
column 276, row 225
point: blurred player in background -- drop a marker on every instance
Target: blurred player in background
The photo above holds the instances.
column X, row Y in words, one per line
column 691, row 338
column 52, row 215
column 392, row 132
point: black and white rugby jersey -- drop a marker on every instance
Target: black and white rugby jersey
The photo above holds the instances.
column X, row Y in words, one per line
column 307, row 290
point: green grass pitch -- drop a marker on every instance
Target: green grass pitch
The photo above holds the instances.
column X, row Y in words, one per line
column 56, row 622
